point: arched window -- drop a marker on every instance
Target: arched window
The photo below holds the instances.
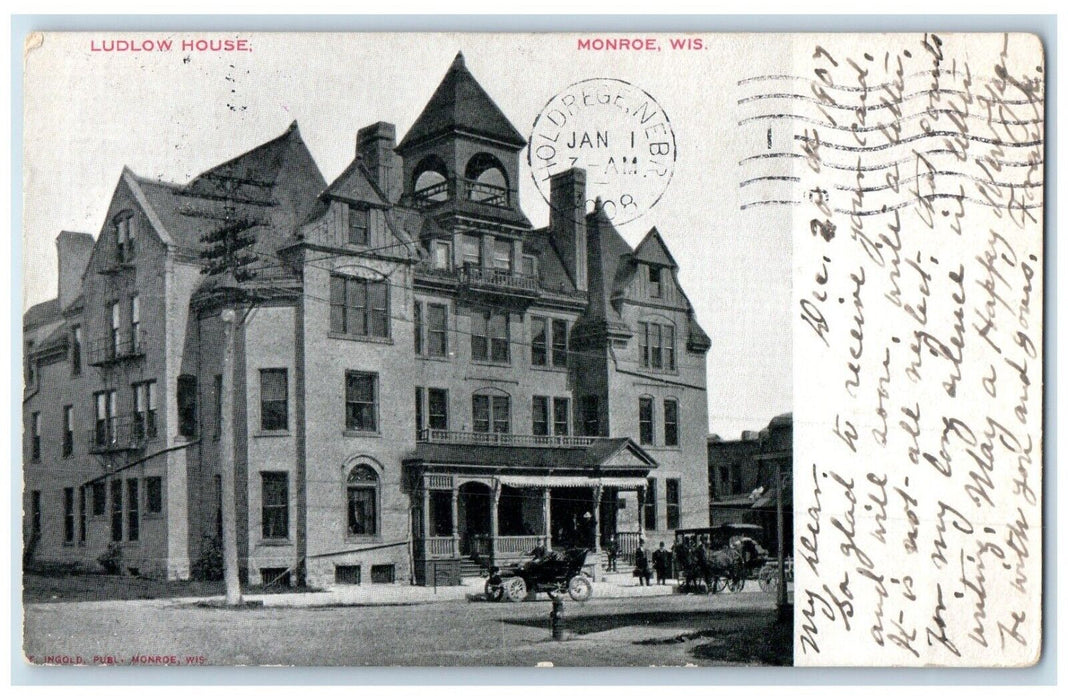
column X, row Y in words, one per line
column 486, row 181
column 361, row 497
column 430, row 180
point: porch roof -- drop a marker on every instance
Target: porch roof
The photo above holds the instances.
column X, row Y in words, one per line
column 608, row 453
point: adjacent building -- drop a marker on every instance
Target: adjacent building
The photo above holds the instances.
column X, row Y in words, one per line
column 741, row 478
column 423, row 379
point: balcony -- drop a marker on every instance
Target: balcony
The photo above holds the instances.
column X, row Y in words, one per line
column 495, row 280
column 453, row 437
column 107, row 350
column 123, row 433
column 462, row 190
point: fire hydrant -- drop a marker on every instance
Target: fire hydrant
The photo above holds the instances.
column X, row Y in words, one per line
column 556, row 619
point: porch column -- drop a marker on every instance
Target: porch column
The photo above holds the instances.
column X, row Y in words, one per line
column 495, row 501
column 455, row 520
column 641, row 512
column 426, row 516
column 596, row 519
column 546, row 516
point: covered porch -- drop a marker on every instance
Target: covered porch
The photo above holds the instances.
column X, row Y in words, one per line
column 478, row 505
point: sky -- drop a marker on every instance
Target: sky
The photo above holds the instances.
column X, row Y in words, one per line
column 173, row 114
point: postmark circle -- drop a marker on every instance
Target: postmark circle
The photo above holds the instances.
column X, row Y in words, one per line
column 618, row 133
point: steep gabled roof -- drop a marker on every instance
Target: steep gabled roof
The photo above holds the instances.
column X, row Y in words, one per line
column 461, row 105
column 354, row 185
column 652, row 249
column 41, row 314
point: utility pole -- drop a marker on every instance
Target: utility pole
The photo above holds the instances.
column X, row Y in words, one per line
column 226, row 464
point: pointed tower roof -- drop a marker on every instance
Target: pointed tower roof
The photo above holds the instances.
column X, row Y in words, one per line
column 460, row 105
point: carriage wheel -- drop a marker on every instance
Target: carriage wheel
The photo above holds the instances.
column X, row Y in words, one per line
column 579, row 588
column 736, row 584
column 765, row 582
column 515, row 589
column 718, row 584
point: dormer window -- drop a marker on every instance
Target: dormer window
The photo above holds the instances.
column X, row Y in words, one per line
column 125, row 236
column 655, row 288
column 358, row 226
column 502, row 255
column 472, row 250
column 530, row 266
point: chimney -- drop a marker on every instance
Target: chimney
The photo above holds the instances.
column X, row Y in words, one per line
column 374, row 147
column 73, row 251
column 567, row 222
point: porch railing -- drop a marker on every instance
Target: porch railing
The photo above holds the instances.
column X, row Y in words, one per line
column 517, row 544
column 626, row 544
column 504, row 439
column 438, row 547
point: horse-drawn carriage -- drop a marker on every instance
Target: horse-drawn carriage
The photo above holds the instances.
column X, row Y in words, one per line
column 716, row 558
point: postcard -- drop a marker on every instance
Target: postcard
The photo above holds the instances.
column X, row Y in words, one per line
column 532, row 349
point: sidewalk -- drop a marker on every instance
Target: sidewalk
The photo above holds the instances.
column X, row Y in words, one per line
column 621, row 585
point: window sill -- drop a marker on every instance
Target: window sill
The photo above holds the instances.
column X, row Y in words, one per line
column 549, row 368
column 363, row 539
column 272, row 433
column 275, row 543
column 361, row 338
column 362, row 433
column 433, row 358
column 663, row 448
column 152, row 516
column 491, row 363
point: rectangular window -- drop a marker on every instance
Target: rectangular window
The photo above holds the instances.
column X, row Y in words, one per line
column 218, row 405
column 674, row 510
column 358, row 225
column 361, row 406
column 442, row 255
column 68, row 516
column 591, row 422
column 541, row 415
column 471, row 250
column 529, row 266
column 31, row 375
column 656, row 345
column 502, row 255
column 114, row 315
column 100, row 499
column 643, row 344
column 671, row 422
column 490, row 413
column 669, row 348
column 656, row 355
column 417, row 327
column 645, row 420
column 362, row 518
column 489, row 336
column 274, row 399
column 145, row 410
column 135, row 322
column 116, row 511
column 35, row 512
column 438, row 405
column 35, row 436
column 539, row 343
column 68, row 431
column 187, row 405
column 275, row 509
column 359, row 306
column 559, row 343
column 650, row 505
column 133, row 510
column 83, row 514
column 420, row 424
column 498, row 331
column 561, row 416
column 104, row 429
column 383, row 573
column 76, row 350
column 154, row 495
column 654, row 282
column 437, row 340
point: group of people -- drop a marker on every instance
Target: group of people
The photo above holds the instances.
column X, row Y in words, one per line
column 689, row 554
column 661, row 562
column 693, row 556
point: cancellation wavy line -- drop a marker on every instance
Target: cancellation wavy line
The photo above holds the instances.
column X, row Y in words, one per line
column 887, row 208
column 881, row 105
column 919, row 137
column 980, row 79
column 885, row 166
column 902, row 181
column 865, row 129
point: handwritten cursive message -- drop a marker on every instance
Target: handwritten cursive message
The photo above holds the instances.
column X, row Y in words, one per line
column 916, row 186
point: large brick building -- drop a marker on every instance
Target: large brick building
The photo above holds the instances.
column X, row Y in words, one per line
column 422, row 378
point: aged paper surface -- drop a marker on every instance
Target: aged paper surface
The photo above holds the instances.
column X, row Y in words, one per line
column 483, row 349
column 918, row 321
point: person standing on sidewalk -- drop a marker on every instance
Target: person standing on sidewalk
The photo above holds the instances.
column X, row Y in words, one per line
column 612, row 550
column 662, row 564
column 641, row 564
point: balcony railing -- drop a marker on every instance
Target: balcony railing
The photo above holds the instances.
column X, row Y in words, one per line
column 453, row 437
column 122, row 433
column 477, row 277
column 463, row 189
column 106, row 350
